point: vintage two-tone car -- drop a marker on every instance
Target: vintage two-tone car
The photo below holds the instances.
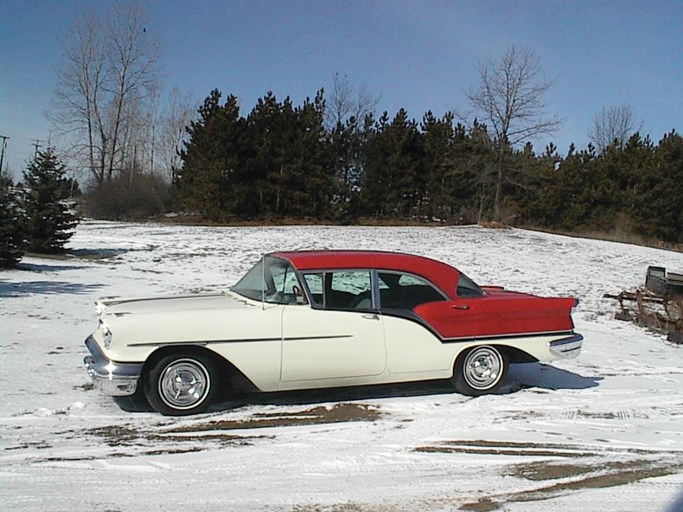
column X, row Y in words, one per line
column 318, row 319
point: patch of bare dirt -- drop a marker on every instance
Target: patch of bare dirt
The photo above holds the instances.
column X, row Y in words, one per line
column 568, row 468
column 481, row 505
column 348, row 507
column 39, row 445
column 164, row 439
column 339, row 413
column 504, row 448
column 122, row 435
column 611, row 475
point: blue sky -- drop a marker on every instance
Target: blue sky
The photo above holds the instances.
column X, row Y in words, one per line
column 418, row 55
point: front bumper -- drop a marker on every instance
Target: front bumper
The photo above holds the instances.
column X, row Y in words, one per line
column 114, row 379
column 566, row 348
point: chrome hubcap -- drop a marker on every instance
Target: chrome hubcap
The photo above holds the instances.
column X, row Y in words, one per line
column 184, row 384
column 483, row 367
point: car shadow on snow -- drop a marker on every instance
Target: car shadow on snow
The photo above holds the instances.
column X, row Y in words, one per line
column 344, row 394
column 231, row 401
column 545, row 376
column 520, row 377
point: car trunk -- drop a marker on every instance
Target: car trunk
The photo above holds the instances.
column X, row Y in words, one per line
column 498, row 313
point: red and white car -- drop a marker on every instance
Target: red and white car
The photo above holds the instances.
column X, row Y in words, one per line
column 318, row 319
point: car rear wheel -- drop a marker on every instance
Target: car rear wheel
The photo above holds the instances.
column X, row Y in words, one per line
column 479, row 370
column 181, row 384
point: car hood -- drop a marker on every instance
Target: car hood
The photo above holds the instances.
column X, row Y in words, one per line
column 169, row 304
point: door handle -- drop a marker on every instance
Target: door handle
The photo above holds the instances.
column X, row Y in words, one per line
column 371, row 317
column 461, row 307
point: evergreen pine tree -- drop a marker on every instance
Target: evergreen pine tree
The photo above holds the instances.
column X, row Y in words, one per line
column 51, row 219
column 12, row 224
column 657, row 211
column 345, row 146
column 393, row 186
column 209, row 181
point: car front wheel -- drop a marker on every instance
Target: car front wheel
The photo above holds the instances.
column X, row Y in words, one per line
column 179, row 385
column 479, row 370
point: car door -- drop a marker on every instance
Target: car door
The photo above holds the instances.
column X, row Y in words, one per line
column 412, row 346
column 339, row 338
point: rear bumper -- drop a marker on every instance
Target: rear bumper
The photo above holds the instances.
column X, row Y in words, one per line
column 566, row 348
column 114, row 379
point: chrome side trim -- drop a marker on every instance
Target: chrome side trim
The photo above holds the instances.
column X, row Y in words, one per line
column 240, row 340
column 114, row 379
column 490, row 337
column 566, row 348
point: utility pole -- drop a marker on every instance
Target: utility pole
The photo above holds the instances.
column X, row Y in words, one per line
column 37, row 144
column 2, row 154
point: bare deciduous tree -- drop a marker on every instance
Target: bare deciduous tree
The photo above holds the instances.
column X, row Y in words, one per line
column 613, row 125
column 510, row 100
column 346, row 110
column 109, row 67
column 344, row 102
column 78, row 94
column 179, row 111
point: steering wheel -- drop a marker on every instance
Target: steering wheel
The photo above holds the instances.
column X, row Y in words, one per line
column 298, row 295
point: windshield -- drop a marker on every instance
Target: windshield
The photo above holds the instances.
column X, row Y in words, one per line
column 271, row 280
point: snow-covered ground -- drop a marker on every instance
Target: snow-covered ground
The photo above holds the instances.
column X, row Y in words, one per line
column 603, row 432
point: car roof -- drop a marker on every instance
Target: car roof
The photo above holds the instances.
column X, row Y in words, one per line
column 441, row 274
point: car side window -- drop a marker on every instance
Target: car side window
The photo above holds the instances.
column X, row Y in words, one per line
column 315, row 288
column 405, row 291
column 340, row 289
column 468, row 288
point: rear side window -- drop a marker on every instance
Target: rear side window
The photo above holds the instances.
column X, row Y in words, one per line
column 468, row 288
column 405, row 291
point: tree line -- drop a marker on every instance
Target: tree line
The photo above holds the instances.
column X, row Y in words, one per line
column 282, row 160
column 141, row 152
column 333, row 158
